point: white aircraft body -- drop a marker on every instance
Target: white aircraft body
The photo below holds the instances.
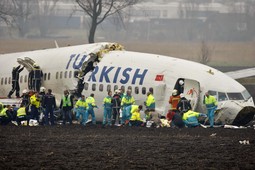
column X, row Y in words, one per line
column 114, row 69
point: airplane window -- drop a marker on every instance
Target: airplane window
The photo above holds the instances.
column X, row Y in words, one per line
column 21, row 79
column 144, row 90
column 108, row 87
column 5, row 81
column 130, row 88
column 246, row 94
column 122, row 89
column 56, row 75
column 25, row 80
column 65, row 74
column 101, row 87
column 86, row 86
column 93, row 87
column 45, row 76
column 70, row 74
column 2, row 81
column 61, row 74
column 136, row 90
column 48, row 76
column 235, row 96
column 222, row 96
column 9, row 82
column 115, row 87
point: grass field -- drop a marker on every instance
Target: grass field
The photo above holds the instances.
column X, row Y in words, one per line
column 223, row 54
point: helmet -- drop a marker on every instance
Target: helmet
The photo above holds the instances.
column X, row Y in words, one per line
column 181, row 82
column 24, row 91
column 42, row 89
column 174, row 92
column 35, row 65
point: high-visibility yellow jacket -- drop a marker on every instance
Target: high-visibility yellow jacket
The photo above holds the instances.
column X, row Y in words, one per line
column 108, row 102
column 134, row 108
column 135, row 116
column 34, row 101
column 210, row 101
column 66, row 101
column 127, row 101
column 91, row 102
column 21, row 112
column 81, row 104
column 150, row 102
column 3, row 113
column 190, row 114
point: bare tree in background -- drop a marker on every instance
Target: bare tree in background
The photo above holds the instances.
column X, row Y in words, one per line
column 45, row 10
column 23, row 12
column 6, row 11
column 205, row 52
column 99, row 10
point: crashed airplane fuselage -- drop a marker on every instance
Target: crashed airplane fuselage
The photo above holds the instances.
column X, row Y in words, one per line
column 97, row 68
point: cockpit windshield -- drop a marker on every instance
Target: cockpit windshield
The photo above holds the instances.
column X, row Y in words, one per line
column 235, row 96
column 246, row 94
column 221, row 96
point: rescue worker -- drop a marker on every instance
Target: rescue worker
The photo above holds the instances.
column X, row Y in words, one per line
column 49, row 105
column 211, row 105
column 15, row 81
column 91, row 105
column 190, row 118
column 126, row 101
column 135, row 119
column 107, row 109
column 150, row 101
column 22, row 114
column 184, row 104
column 6, row 115
column 116, row 101
column 175, row 118
column 152, row 115
column 81, row 109
column 35, row 104
column 35, row 78
column 1, row 107
column 66, row 106
column 174, row 100
column 25, row 98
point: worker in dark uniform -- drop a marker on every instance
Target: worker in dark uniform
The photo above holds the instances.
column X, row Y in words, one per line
column 15, row 81
column 49, row 105
column 35, row 78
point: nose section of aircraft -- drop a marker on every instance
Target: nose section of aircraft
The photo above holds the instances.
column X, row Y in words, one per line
column 235, row 113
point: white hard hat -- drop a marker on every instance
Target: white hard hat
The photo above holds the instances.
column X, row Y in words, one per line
column 181, row 82
column 174, row 92
column 24, row 91
column 42, row 89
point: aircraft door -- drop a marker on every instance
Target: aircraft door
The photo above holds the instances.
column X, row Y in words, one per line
column 191, row 92
column 159, row 91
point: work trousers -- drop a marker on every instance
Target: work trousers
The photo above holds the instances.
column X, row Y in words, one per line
column 91, row 112
column 67, row 115
column 107, row 115
column 46, row 116
column 81, row 112
column 34, row 113
column 115, row 115
column 125, row 114
column 210, row 114
column 15, row 86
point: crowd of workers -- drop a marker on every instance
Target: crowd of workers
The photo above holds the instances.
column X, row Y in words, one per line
column 119, row 109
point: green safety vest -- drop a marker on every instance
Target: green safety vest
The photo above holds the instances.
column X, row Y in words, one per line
column 66, row 101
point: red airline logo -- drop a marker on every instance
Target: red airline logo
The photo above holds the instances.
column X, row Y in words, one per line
column 159, row 77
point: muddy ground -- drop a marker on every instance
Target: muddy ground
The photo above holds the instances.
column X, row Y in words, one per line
column 77, row 147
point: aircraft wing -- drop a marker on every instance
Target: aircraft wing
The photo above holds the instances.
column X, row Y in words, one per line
column 241, row 73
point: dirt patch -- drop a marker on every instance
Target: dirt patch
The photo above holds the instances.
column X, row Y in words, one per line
column 76, row 147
